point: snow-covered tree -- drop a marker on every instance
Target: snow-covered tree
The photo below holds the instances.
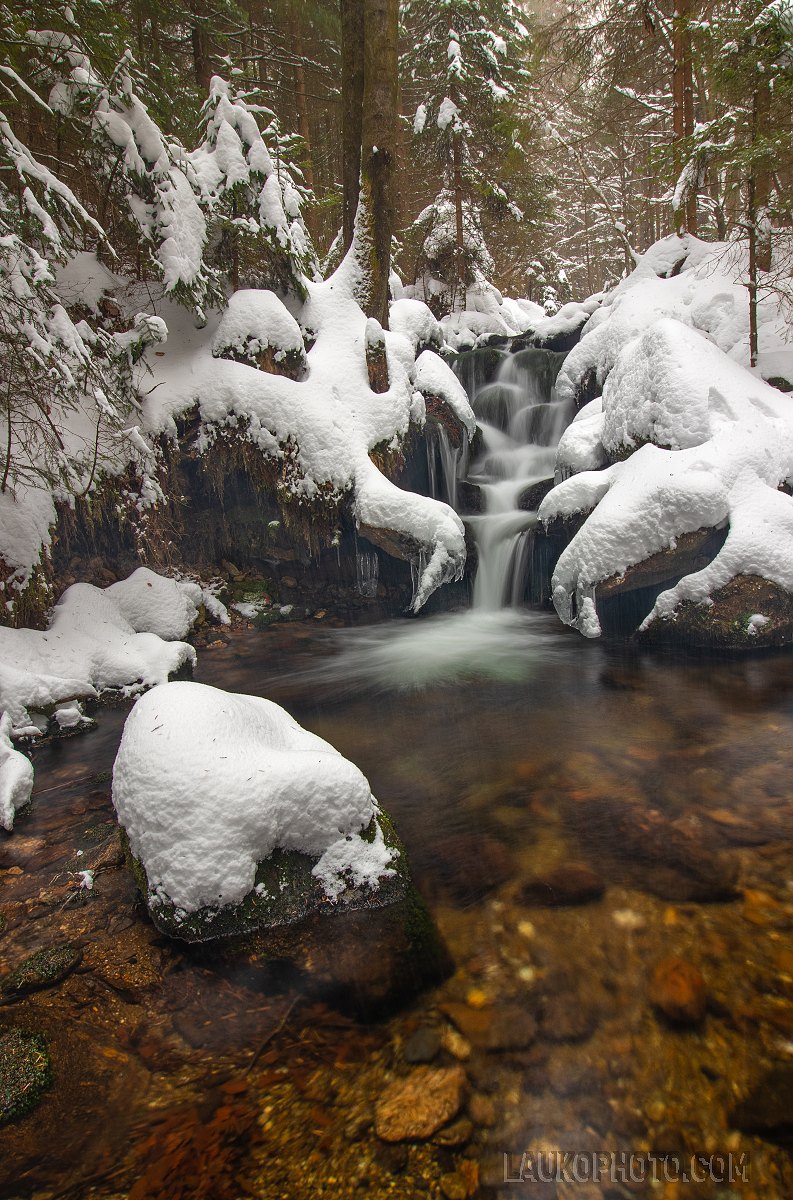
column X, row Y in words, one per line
column 253, row 203
column 467, row 67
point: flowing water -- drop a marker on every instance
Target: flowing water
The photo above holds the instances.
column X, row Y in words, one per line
column 511, row 755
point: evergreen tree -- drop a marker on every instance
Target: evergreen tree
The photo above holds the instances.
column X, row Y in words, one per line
column 467, row 67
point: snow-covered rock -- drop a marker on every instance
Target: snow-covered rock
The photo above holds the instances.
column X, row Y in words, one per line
column 435, row 380
column 321, row 428
column 97, row 640
column 208, row 784
column 16, row 776
column 693, row 441
column 414, row 320
column 239, row 823
column 257, row 322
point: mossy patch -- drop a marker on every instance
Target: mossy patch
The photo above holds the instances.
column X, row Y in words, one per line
column 42, row 970
column 726, row 623
column 25, row 1073
column 284, row 892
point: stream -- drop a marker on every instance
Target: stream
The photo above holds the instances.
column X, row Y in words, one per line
column 521, row 765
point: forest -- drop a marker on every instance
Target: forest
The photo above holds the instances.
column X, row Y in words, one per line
column 396, row 599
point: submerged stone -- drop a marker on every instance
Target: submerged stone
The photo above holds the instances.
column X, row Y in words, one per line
column 415, row 1108
column 678, row 990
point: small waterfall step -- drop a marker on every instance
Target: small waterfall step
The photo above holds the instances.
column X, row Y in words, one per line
column 521, row 421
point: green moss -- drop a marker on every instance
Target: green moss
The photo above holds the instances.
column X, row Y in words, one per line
column 25, row 1073
column 41, row 970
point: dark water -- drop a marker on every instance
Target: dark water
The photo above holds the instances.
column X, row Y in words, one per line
column 505, row 748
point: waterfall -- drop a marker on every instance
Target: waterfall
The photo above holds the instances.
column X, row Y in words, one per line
column 520, row 422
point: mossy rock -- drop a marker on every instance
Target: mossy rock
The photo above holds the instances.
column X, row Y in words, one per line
column 368, row 949
column 43, row 969
column 25, row 1073
column 729, row 621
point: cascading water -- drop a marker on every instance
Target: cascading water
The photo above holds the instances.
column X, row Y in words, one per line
column 498, row 637
column 521, row 422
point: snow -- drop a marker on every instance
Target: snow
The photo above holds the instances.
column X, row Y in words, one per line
column 255, row 320
column 84, row 280
column 694, row 439
column 320, row 428
column 434, row 377
column 207, row 784
column 97, row 640
column 448, row 114
column 16, row 776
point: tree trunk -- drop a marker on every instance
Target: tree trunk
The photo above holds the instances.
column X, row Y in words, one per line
column 685, row 217
column 202, row 66
column 352, row 88
column 762, row 174
column 459, row 242
column 378, row 144
column 752, row 207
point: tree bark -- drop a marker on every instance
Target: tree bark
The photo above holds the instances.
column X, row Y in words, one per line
column 352, row 90
column 685, row 217
column 459, row 242
column 379, row 144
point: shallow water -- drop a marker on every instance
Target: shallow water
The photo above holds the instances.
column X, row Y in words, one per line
column 503, row 746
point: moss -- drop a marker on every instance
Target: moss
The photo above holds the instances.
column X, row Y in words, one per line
column 26, row 604
column 284, row 892
column 41, row 970
column 25, row 1073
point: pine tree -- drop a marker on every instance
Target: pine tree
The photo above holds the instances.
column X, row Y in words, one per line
column 253, row 204
column 465, row 65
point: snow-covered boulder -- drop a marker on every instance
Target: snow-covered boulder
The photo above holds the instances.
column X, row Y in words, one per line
column 238, row 821
column 257, row 328
column 16, row 776
column 679, row 473
column 414, row 320
column 125, row 637
column 445, row 397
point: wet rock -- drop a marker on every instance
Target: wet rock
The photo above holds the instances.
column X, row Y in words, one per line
column 567, row 884
column 43, row 969
column 459, row 1133
column 507, row 1027
column 454, row 1186
column 532, row 497
column 422, row 1046
column 471, row 865
column 767, row 1111
column 665, row 857
column 726, row 622
column 678, row 990
column 568, row 1017
column 24, row 1072
column 392, row 1156
column 415, row 1108
column 482, row 1109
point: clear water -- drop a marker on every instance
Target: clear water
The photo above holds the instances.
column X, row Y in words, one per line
column 504, row 747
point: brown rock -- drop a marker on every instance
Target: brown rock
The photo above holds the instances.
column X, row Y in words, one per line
column 569, row 883
column 678, row 990
column 507, row 1027
column 415, row 1108
column 568, row 1018
column 471, row 865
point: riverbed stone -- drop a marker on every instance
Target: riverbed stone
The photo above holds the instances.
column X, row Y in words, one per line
column 498, row 1029
column 25, row 1072
column 422, row 1046
column 566, row 884
column 414, row 1108
column 471, row 865
column 43, row 969
column 678, row 990
column 767, row 1109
